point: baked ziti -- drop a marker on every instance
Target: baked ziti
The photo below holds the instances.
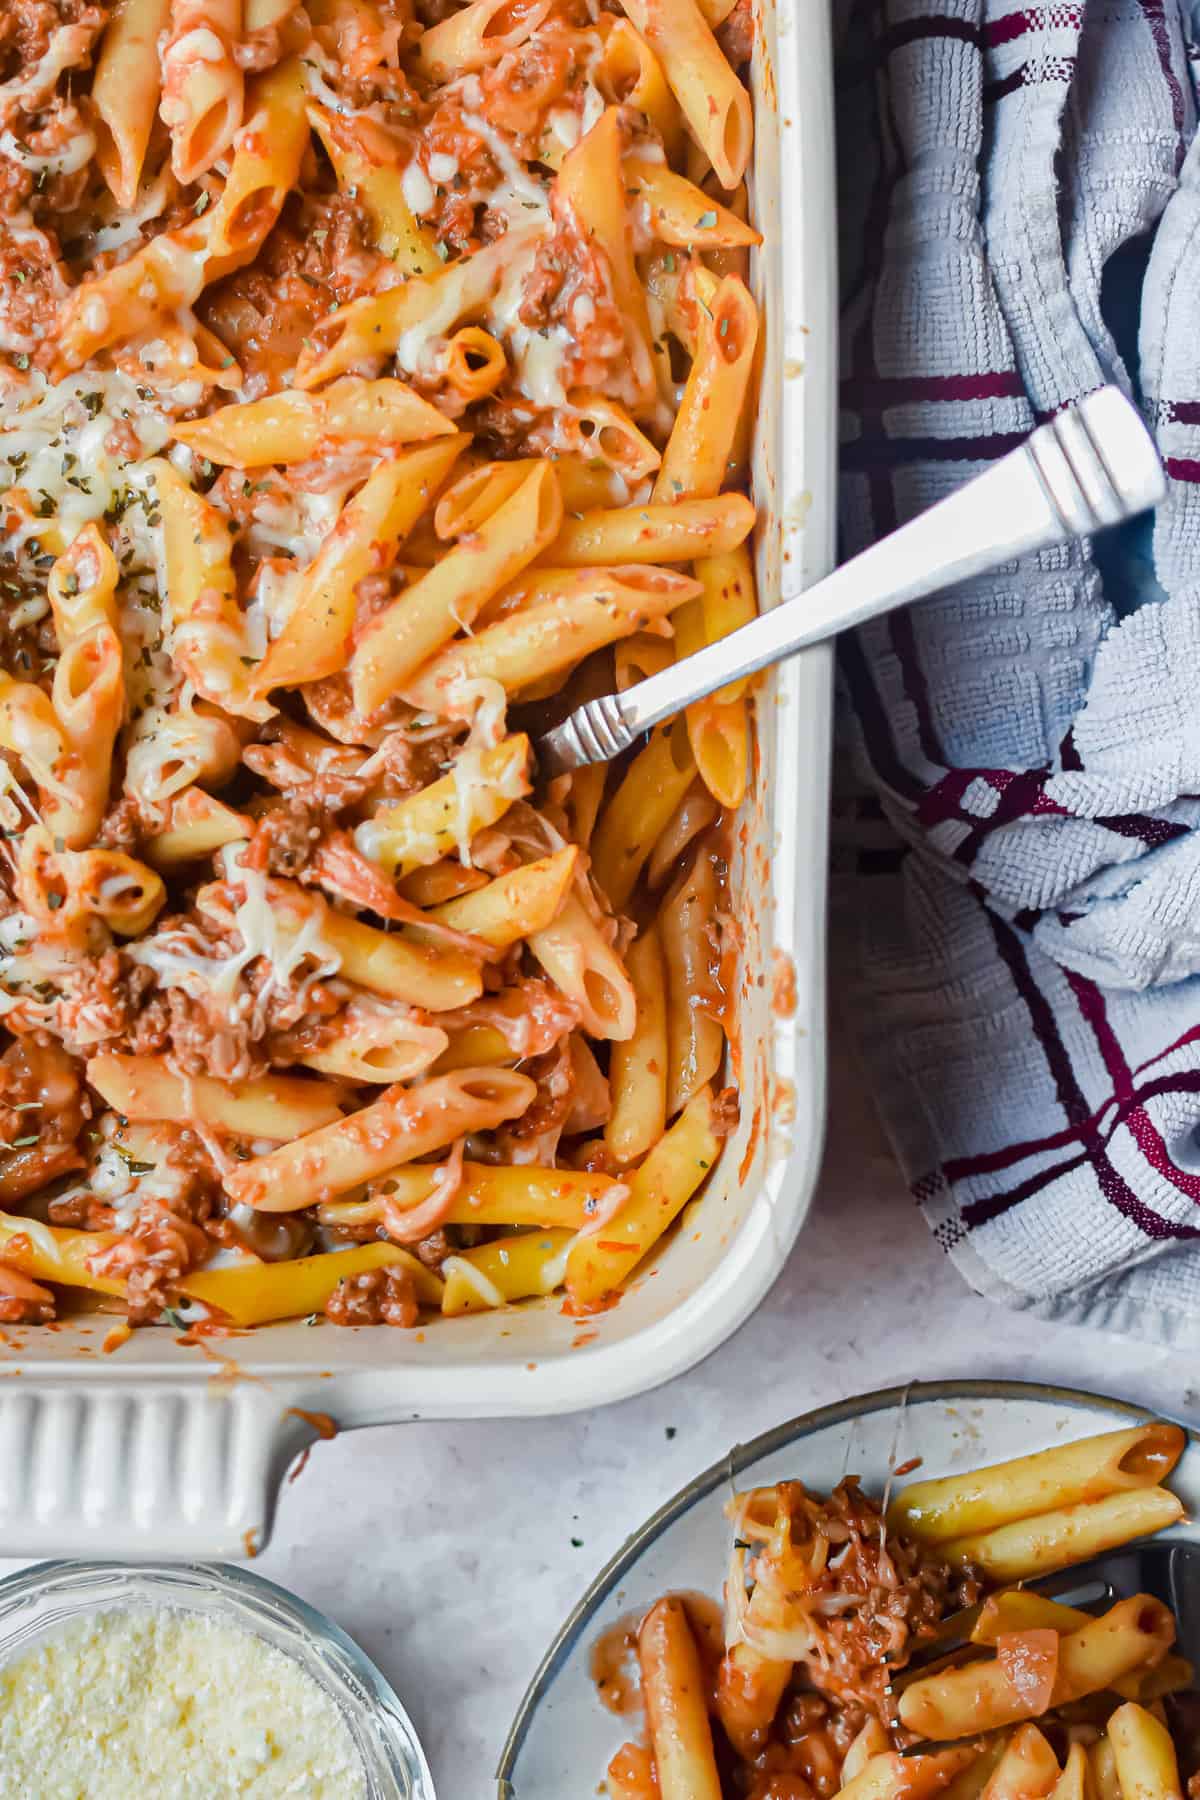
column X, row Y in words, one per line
column 375, row 383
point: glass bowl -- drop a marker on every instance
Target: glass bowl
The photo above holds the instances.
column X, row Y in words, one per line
column 37, row 1600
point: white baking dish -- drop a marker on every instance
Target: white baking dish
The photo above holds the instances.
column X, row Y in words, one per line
column 164, row 1451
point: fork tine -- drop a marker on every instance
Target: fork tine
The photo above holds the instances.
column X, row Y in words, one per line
column 1075, row 1585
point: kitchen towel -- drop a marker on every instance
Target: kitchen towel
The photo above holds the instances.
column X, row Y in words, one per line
column 1020, row 221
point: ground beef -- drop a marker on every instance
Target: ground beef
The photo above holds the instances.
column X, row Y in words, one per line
column 27, row 26
column 555, row 1076
column 570, row 284
column 285, row 836
column 43, row 1109
column 32, row 287
column 385, row 1296
column 22, row 1301
column 123, row 826
column 519, row 89
column 736, row 33
column 162, row 1246
column 103, row 1001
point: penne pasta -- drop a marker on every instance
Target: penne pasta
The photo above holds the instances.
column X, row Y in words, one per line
column 638, row 1066
column 489, row 1194
column 659, row 1190
column 711, row 98
column 580, row 960
column 551, row 634
column 413, row 629
column 673, row 1690
column 658, row 533
column 695, row 1037
column 634, row 819
column 678, row 212
column 291, row 427
column 125, row 93
column 512, row 1268
column 144, row 1087
column 514, row 906
column 1147, row 1767
column 445, row 816
column 403, row 1124
column 315, row 641
column 256, row 1293
column 980, row 1697
column 1051, row 1540
column 1074, row 1474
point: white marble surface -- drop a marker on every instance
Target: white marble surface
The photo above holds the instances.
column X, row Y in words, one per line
column 448, row 1550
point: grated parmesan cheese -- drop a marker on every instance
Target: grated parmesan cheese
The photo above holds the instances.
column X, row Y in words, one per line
column 168, row 1702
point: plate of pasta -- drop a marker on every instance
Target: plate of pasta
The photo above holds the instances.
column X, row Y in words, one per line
column 744, row 1644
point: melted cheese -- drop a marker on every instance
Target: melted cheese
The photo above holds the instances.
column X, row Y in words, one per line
column 60, row 443
column 482, row 1285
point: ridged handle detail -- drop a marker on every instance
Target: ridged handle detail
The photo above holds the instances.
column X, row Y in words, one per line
column 163, row 1469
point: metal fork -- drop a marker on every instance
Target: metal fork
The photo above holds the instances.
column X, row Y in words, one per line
column 1169, row 1572
column 1093, row 465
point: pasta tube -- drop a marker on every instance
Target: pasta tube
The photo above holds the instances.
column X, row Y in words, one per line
column 398, row 321
column 275, row 1106
column 202, row 93
column 125, row 91
column 717, row 730
column 582, row 963
column 1090, row 1468
column 638, row 1065
column 489, row 1194
column 695, row 1037
column 552, row 634
column 633, row 821
column 657, row 533
column 367, row 158
column 256, row 1293
column 55, row 1253
column 591, row 184
column 434, row 976
column 209, row 637
column 698, row 458
column 659, row 1190
column 197, row 824
column 1147, row 1767
column 713, row 100
column 1052, row 1540
column 511, row 1268
column 631, row 75
column 514, row 905
column 410, row 631
column 680, row 213
column 444, row 816
column 291, row 427
column 477, row 35
column 1027, row 1770
column 673, row 1689
column 315, row 642
column 727, row 602
column 980, row 1697
column 403, row 1124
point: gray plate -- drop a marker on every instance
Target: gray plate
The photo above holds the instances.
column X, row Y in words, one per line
column 562, row 1738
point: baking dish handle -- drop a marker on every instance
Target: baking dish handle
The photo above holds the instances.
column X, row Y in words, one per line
column 154, row 1468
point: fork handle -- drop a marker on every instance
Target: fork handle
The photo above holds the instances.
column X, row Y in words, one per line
column 1093, row 465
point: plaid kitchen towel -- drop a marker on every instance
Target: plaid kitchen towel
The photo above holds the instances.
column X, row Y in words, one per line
column 1021, row 221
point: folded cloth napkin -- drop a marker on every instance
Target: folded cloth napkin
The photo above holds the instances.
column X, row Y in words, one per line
column 1021, row 222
